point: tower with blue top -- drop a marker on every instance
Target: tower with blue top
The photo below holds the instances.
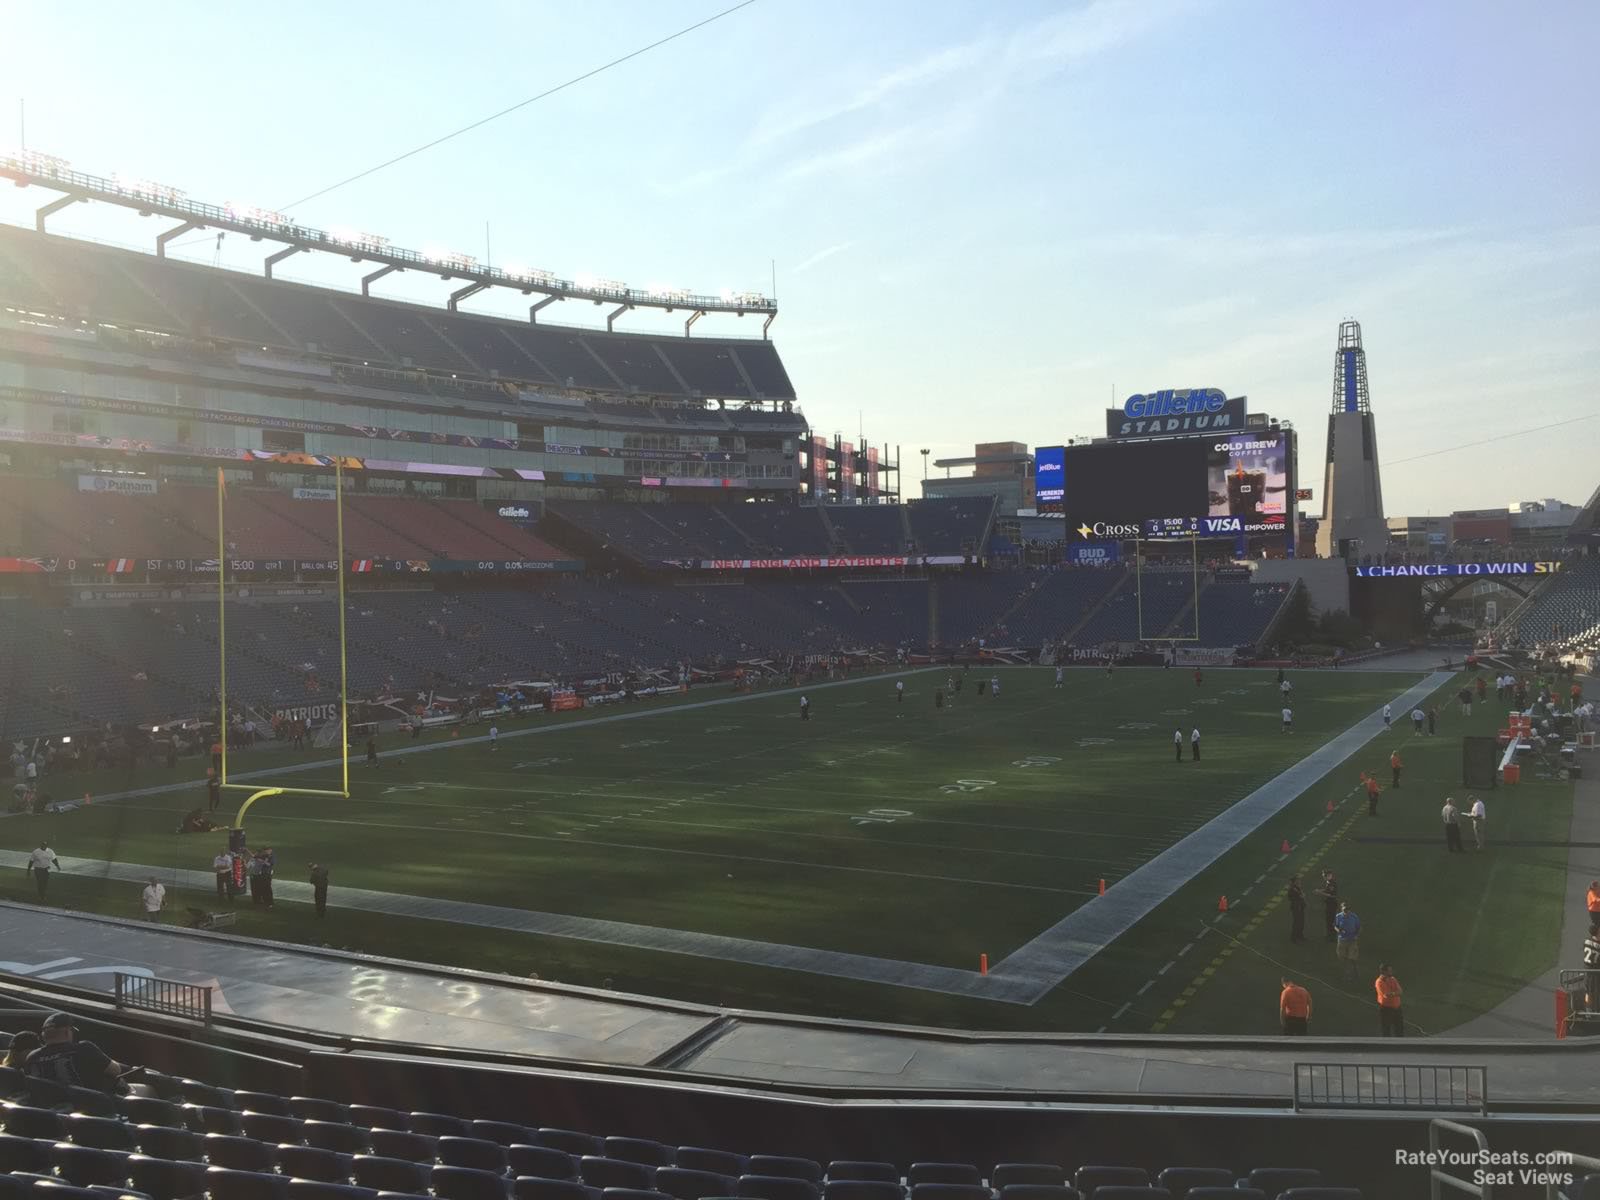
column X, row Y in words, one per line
column 1353, row 524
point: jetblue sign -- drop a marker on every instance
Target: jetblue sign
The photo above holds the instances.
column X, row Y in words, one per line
column 1174, row 411
column 1049, row 475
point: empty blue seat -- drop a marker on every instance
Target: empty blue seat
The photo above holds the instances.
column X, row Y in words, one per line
column 272, row 1128
column 12, row 1082
column 314, row 1108
column 632, row 1194
column 263, row 1102
column 778, row 1164
column 1088, row 1178
column 312, row 1162
column 720, row 1162
column 641, row 1150
column 389, row 1174
column 161, row 1141
column 942, row 1172
column 684, row 1184
column 541, row 1162
column 1273, row 1180
column 84, row 1165
column 503, row 1132
column 856, row 1169
column 862, row 1189
column 1006, row 1174
column 375, row 1117
column 775, row 1187
column 225, row 1183
column 601, row 1172
column 528, row 1187
column 465, row 1183
column 477, row 1153
column 60, row 1189
column 401, row 1143
column 1586, row 1187
column 204, row 1118
column 312, row 1189
column 335, row 1135
column 91, row 1102
column 165, row 1177
column 238, row 1153
column 950, row 1191
column 1038, row 1191
column 570, row 1140
column 147, row 1110
column 439, row 1125
column 1181, row 1180
column 203, row 1094
column 103, row 1132
column 23, row 1120
column 23, row 1154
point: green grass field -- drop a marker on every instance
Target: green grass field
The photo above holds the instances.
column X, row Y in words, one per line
column 904, row 832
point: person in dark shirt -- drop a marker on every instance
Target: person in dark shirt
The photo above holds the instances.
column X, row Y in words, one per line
column 319, row 888
column 65, row 1060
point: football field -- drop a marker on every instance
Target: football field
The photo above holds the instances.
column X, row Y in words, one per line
column 861, row 863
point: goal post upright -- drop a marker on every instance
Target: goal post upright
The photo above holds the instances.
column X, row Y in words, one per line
column 344, row 690
column 222, row 636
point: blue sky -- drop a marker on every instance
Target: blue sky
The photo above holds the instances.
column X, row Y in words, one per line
column 987, row 219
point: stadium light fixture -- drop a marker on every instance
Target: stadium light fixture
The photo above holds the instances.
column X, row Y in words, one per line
column 66, row 739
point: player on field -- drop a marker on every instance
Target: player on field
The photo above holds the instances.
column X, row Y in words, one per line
column 1388, row 715
column 494, row 738
column 1395, row 767
column 1177, row 744
column 1284, row 686
column 1059, row 671
column 805, row 708
column 981, row 685
column 1194, row 744
column 900, row 691
column 1198, row 677
column 1288, row 719
column 1370, row 782
column 938, row 697
column 994, row 685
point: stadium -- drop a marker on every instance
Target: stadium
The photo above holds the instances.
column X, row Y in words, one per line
column 689, row 813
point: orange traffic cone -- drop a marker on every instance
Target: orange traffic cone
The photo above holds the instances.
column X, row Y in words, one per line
column 1222, row 904
column 1284, row 849
column 1330, row 805
column 983, row 964
column 1102, row 887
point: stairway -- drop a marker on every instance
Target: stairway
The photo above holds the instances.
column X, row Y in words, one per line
column 1122, row 586
column 836, row 542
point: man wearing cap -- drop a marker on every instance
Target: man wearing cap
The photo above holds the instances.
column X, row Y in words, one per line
column 65, row 1060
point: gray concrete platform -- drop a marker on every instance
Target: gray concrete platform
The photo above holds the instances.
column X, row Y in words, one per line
column 414, row 1005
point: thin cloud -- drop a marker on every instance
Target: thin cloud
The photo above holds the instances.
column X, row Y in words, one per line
column 822, row 256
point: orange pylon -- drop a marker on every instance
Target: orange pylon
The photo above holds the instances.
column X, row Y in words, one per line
column 1102, row 887
column 983, row 964
column 1284, row 849
column 1222, row 904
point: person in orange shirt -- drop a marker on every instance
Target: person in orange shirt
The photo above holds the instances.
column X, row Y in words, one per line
column 1594, row 906
column 1390, row 1023
column 1294, row 1009
column 1371, row 783
column 1394, row 767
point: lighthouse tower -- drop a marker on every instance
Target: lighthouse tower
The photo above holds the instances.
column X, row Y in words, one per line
column 1352, row 494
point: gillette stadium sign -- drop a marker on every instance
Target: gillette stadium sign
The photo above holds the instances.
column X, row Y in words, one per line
column 1175, row 411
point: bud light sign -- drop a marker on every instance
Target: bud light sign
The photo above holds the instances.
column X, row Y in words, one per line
column 1093, row 554
column 1175, row 410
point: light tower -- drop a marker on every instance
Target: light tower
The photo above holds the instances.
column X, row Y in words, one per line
column 1352, row 494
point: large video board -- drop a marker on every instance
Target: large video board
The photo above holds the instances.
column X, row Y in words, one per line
column 1217, row 486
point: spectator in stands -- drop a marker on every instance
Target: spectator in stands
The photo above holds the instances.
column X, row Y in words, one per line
column 65, row 1060
column 22, row 1045
column 1294, row 1008
column 153, row 899
column 1390, row 1023
column 41, row 862
column 319, row 888
column 1433, row 719
column 1593, row 904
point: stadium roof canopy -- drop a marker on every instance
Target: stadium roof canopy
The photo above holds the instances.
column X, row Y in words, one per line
column 152, row 199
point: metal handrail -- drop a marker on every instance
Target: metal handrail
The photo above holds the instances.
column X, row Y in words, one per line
column 165, row 996
column 1437, row 1178
column 1455, row 1087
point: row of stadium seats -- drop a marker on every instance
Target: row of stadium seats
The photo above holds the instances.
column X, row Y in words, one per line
column 657, row 533
column 1568, row 609
column 98, row 283
column 197, row 1139
column 53, row 518
column 147, row 663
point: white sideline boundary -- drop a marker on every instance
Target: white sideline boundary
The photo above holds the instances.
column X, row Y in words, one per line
column 1024, row 977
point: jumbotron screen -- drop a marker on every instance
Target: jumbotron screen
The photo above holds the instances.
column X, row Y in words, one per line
column 1216, row 486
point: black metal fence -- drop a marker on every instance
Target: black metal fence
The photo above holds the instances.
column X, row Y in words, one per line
column 1385, row 1086
column 165, row 996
